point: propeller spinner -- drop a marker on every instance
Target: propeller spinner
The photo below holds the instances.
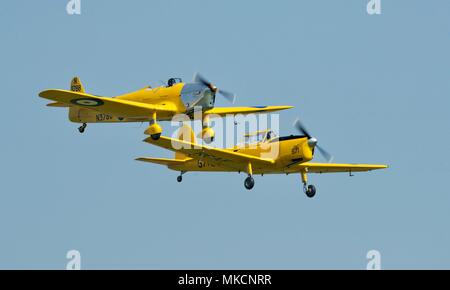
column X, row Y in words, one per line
column 312, row 141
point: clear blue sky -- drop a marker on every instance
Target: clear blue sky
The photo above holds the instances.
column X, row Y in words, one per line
column 374, row 89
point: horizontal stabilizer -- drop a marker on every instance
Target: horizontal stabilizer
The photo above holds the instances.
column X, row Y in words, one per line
column 163, row 161
column 58, row 104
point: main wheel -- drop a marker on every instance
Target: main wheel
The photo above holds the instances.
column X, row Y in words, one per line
column 179, row 178
column 156, row 136
column 249, row 182
column 209, row 140
column 310, row 191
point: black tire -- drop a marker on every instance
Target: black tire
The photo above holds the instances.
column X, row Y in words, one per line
column 310, row 191
column 249, row 182
column 156, row 136
column 81, row 129
column 208, row 140
column 179, row 178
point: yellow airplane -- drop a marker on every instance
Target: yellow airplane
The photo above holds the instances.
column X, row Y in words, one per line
column 262, row 153
column 150, row 104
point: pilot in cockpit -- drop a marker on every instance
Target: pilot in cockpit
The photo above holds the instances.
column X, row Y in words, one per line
column 173, row 81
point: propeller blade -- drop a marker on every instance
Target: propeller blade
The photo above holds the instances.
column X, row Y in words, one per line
column 328, row 157
column 312, row 141
column 302, row 129
column 229, row 96
column 198, row 78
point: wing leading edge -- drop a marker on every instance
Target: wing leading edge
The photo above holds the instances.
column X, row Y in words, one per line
column 222, row 111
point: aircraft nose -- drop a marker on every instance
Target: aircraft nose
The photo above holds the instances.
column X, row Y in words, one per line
column 312, row 142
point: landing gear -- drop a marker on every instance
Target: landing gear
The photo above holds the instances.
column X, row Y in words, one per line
column 180, row 177
column 249, row 182
column 154, row 130
column 208, row 140
column 309, row 190
column 82, row 128
column 156, row 136
column 207, row 133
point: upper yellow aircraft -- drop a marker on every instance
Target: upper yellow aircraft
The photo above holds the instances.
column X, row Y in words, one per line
column 262, row 153
column 149, row 104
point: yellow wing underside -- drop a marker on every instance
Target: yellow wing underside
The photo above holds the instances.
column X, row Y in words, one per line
column 132, row 109
column 229, row 160
column 312, row 167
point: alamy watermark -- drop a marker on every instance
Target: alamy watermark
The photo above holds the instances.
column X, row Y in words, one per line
column 374, row 7
column 73, row 7
column 74, row 258
column 249, row 131
column 374, row 260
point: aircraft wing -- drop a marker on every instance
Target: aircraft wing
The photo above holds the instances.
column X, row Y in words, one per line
column 335, row 167
column 222, row 111
column 117, row 107
column 214, row 154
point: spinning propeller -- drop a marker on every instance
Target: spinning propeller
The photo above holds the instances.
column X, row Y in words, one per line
column 200, row 79
column 312, row 141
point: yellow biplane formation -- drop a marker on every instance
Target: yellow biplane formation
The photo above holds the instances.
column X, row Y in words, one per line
column 261, row 152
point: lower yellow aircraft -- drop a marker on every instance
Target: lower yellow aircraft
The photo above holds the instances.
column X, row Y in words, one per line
column 150, row 105
column 262, row 153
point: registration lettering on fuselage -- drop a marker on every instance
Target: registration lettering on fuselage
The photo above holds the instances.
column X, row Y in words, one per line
column 103, row 117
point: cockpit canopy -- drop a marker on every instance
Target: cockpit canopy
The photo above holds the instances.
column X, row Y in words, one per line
column 259, row 136
column 173, row 81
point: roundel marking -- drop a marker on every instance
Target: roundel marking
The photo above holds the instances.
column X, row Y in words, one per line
column 87, row 102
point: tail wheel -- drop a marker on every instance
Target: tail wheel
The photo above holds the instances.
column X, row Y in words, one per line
column 179, row 178
column 249, row 182
column 82, row 128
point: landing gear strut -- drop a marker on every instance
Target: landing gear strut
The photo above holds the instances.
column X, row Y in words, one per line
column 82, row 128
column 154, row 130
column 309, row 190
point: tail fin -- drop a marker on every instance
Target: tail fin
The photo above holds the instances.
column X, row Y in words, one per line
column 185, row 133
column 75, row 113
column 76, row 85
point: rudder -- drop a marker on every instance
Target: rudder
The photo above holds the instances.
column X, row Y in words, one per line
column 76, row 85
